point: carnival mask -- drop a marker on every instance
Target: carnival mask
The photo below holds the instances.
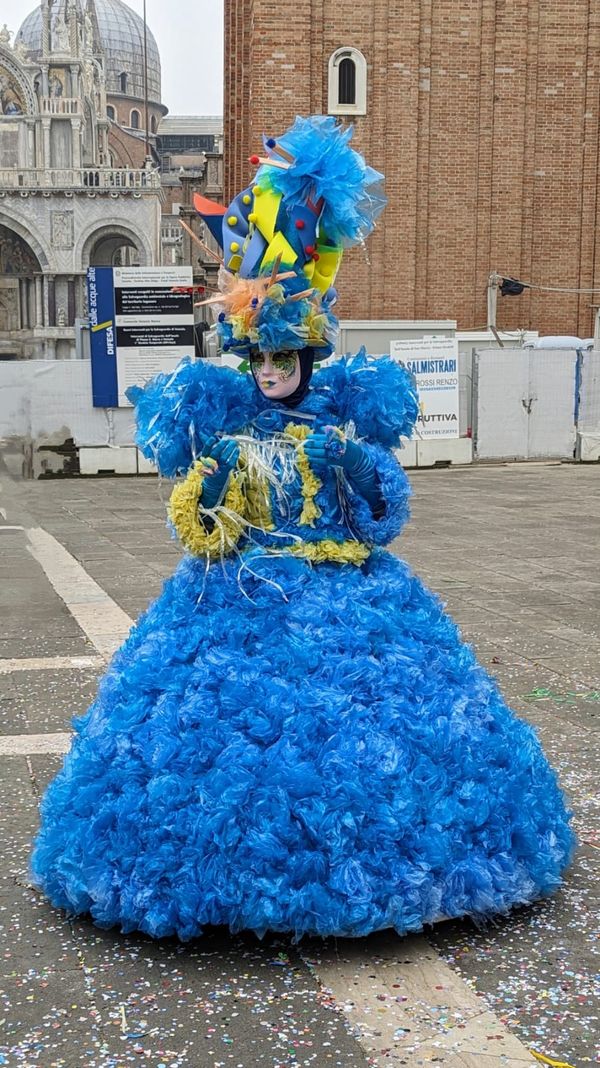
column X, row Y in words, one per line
column 277, row 374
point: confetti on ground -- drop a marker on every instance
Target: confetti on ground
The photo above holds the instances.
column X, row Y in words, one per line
column 71, row 995
column 540, row 693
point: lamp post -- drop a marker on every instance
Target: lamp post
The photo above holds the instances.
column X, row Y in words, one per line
column 146, row 122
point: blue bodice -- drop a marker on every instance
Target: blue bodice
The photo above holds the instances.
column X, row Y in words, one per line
column 372, row 400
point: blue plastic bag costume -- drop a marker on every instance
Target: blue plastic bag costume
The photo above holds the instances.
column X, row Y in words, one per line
column 294, row 737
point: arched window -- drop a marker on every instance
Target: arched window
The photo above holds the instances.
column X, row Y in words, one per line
column 153, row 124
column 110, row 111
column 123, row 82
column 134, row 120
column 347, row 82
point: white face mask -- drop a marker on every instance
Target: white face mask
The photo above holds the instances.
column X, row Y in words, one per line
column 277, row 374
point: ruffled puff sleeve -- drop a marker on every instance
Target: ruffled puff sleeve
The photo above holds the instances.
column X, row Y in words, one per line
column 385, row 524
column 210, row 533
column 377, row 397
column 377, row 394
column 175, row 413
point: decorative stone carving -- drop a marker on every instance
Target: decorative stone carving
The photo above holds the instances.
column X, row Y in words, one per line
column 87, row 75
column 88, row 34
column 9, row 306
column 62, row 229
column 20, row 51
column 61, row 38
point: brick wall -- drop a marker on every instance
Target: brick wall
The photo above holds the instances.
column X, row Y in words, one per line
column 483, row 115
column 122, row 107
column 126, row 149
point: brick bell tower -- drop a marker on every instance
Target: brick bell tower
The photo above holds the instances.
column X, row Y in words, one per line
column 483, row 118
column 276, row 67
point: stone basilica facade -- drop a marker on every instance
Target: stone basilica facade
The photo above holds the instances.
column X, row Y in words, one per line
column 77, row 185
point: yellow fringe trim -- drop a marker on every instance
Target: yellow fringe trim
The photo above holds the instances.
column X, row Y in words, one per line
column 541, row 1057
column 338, row 552
column 310, row 483
column 183, row 513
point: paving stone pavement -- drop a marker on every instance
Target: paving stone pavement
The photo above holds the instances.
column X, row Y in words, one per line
column 514, row 552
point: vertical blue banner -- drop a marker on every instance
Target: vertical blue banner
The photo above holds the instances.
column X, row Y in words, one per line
column 103, row 337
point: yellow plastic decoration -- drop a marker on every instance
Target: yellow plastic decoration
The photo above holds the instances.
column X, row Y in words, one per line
column 234, row 263
column 338, row 552
column 541, row 1057
column 184, row 515
column 266, row 208
column 310, row 483
column 309, row 269
column 326, row 267
column 279, row 246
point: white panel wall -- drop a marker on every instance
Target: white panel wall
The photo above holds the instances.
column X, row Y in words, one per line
column 525, row 404
column 50, row 401
column 501, row 379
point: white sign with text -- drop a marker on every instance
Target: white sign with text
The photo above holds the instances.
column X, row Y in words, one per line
column 434, row 363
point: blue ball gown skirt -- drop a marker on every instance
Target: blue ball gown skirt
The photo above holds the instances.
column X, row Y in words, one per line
column 297, row 747
column 333, row 763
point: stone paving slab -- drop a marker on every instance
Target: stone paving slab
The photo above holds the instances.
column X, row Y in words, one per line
column 219, row 1000
column 47, row 701
column 398, row 1024
column 18, row 817
column 44, row 645
column 43, row 770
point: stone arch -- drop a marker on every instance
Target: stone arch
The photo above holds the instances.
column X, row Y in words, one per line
column 20, row 79
column 17, row 257
column 104, row 231
column 20, row 291
column 42, row 254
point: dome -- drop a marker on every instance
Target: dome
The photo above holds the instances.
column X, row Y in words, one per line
column 122, row 40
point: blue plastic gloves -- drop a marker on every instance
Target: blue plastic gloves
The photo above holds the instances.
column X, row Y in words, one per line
column 225, row 453
column 328, row 448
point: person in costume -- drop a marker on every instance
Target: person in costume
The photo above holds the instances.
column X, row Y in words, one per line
column 294, row 736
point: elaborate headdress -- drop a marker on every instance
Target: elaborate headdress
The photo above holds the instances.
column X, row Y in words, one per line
column 284, row 236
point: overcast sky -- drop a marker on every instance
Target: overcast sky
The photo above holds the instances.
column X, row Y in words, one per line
column 189, row 34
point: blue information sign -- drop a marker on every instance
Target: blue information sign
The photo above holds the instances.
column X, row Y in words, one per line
column 141, row 325
column 103, row 336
